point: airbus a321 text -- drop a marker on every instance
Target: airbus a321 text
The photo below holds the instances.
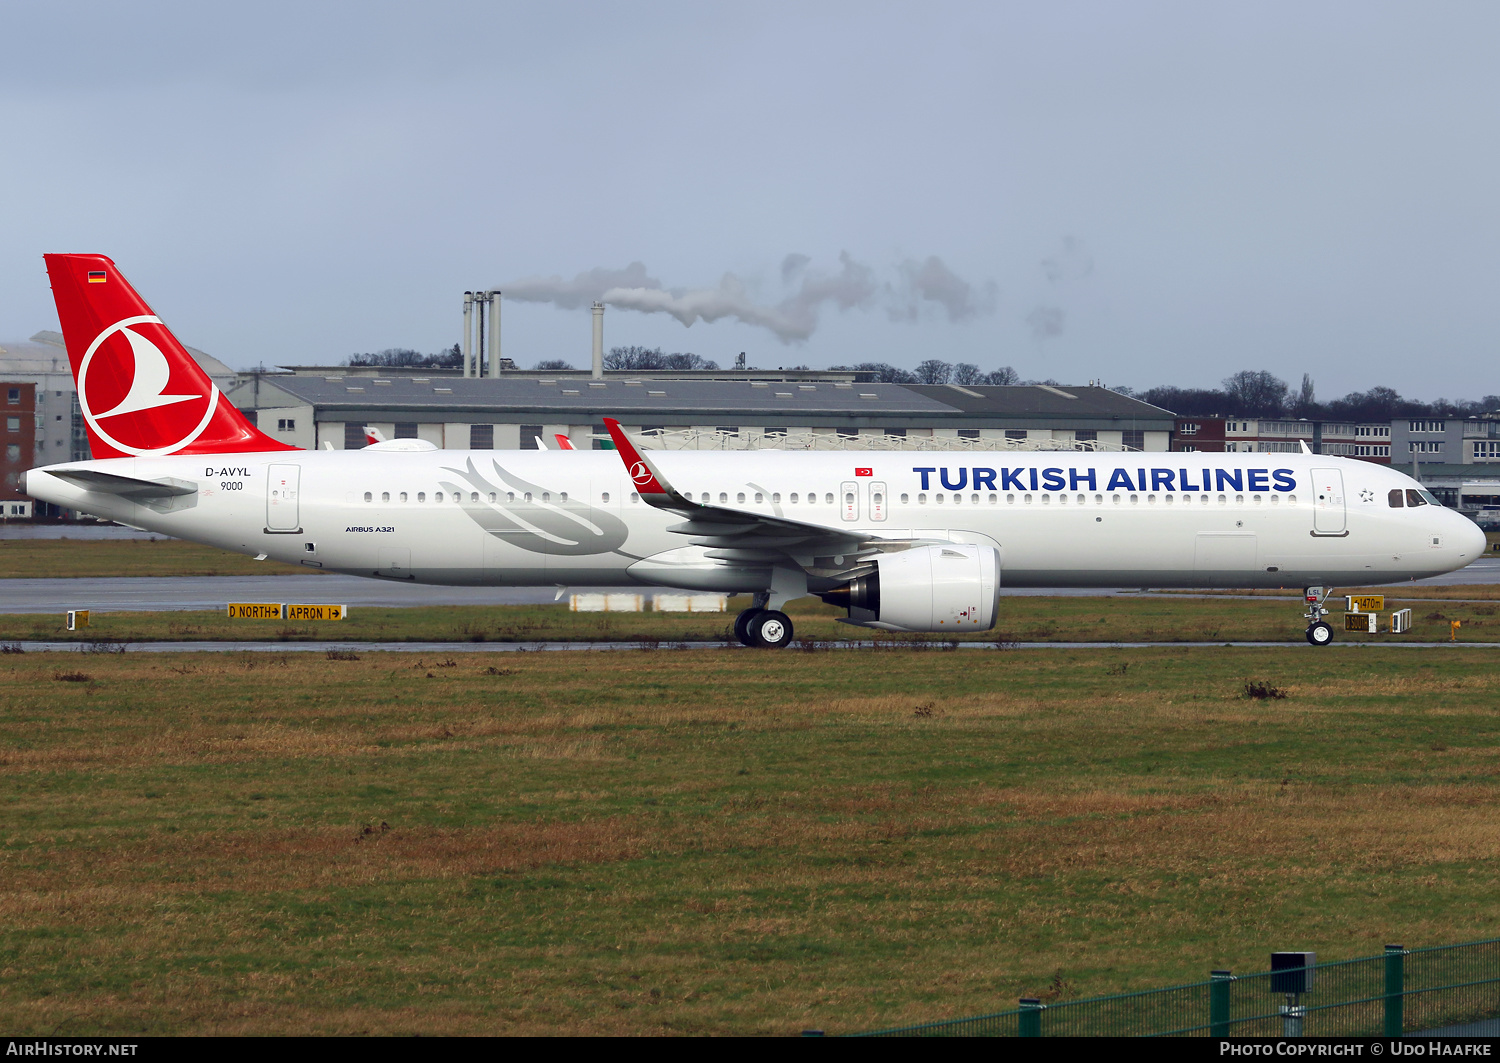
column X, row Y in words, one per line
column 905, row 541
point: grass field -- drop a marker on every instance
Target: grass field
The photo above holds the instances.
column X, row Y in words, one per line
column 694, row 842
column 92, row 558
column 1022, row 619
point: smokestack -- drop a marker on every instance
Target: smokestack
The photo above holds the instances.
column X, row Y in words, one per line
column 494, row 334
column 598, row 341
column 468, row 329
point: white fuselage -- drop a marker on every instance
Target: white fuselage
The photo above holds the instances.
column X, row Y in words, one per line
column 571, row 518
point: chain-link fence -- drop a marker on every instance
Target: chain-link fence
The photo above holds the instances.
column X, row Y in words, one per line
column 1399, row 991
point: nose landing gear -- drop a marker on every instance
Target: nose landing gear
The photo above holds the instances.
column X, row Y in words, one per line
column 1318, row 632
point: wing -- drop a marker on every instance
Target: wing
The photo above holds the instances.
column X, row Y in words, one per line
column 737, row 537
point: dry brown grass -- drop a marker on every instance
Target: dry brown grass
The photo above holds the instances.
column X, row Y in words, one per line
column 717, row 842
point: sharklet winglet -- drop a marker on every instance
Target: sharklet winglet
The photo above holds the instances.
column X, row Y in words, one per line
column 648, row 480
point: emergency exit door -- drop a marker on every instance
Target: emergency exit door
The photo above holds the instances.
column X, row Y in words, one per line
column 849, row 499
column 1328, row 502
column 281, row 498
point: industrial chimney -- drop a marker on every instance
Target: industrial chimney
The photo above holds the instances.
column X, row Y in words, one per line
column 494, row 337
column 598, row 341
column 468, row 330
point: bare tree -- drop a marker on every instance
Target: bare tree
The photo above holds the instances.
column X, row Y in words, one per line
column 934, row 371
column 552, row 365
column 1005, row 376
column 884, row 373
column 967, row 373
column 635, row 358
column 1306, row 402
column 1256, row 394
column 398, row 357
column 687, row 362
column 1189, row 402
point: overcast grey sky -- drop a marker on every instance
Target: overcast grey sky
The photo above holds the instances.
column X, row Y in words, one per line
column 1140, row 192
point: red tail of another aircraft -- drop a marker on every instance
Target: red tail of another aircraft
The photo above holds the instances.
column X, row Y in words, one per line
column 141, row 393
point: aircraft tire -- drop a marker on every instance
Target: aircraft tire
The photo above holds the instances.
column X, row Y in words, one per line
column 1319, row 634
column 771, row 629
column 742, row 625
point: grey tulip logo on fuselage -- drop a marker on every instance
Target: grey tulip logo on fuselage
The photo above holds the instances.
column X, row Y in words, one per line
column 519, row 517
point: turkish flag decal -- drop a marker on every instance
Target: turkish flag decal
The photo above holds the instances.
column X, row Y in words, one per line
column 864, row 472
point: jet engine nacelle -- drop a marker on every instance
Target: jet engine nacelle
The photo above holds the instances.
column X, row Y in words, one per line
column 951, row 587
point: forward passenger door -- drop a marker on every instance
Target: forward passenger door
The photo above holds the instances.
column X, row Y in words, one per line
column 1328, row 502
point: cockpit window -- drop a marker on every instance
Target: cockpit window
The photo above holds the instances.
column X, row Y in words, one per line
column 1429, row 496
column 1397, row 497
column 1414, row 497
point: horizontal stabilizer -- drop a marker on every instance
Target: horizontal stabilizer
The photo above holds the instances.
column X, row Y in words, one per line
column 124, row 486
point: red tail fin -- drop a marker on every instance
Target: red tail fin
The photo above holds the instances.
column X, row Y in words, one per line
column 141, row 392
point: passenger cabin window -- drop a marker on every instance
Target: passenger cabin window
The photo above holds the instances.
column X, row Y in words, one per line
column 421, row 496
column 793, row 497
column 368, row 496
column 385, row 496
column 828, row 499
column 438, row 497
column 1396, row 498
column 604, row 497
column 403, row 496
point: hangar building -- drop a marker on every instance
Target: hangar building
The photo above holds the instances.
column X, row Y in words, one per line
column 719, row 411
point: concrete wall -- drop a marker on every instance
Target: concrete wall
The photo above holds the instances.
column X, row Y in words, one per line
column 304, row 432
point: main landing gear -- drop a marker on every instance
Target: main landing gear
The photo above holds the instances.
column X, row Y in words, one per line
column 769, row 629
column 1318, row 632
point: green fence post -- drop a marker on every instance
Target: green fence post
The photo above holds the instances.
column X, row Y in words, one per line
column 1395, row 990
column 1218, row 1003
column 1029, row 1022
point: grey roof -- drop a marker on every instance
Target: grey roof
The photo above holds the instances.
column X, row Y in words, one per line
column 695, row 399
column 1086, row 403
column 622, row 394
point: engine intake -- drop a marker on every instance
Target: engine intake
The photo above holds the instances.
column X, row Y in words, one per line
column 951, row 587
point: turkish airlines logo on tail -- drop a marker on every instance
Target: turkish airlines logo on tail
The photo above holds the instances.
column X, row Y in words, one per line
column 163, row 423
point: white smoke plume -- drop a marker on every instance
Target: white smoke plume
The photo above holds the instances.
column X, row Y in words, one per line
column 791, row 319
column 1066, row 270
column 1046, row 322
column 582, row 290
column 932, row 281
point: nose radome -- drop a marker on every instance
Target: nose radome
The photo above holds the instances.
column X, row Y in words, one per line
column 1470, row 540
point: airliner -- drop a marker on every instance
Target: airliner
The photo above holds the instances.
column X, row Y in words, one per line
column 903, row 541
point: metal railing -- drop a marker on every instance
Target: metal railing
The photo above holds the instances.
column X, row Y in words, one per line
column 759, row 439
column 1399, row 991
